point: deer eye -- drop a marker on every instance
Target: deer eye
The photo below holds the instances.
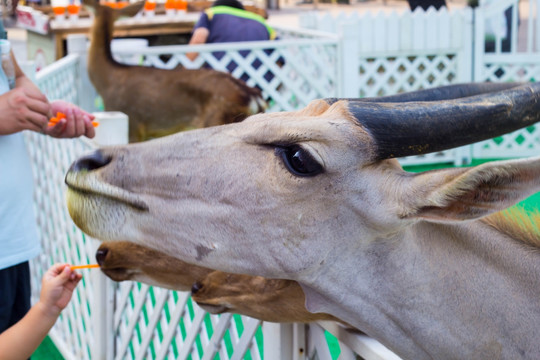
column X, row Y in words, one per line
column 299, row 161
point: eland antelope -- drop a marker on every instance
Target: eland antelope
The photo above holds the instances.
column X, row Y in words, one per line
column 415, row 260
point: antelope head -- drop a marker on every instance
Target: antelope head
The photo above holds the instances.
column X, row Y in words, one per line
column 317, row 196
column 277, row 194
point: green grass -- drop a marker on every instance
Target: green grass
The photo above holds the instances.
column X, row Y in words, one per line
column 47, row 350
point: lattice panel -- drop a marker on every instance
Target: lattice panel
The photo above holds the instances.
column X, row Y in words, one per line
column 509, row 72
column 391, row 75
column 521, row 143
column 317, row 344
column 448, row 156
column 289, row 76
column 161, row 324
column 60, row 239
column 61, row 80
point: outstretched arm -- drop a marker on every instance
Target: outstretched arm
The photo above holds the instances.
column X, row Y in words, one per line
column 27, row 108
column 200, row 35
column 22, row 339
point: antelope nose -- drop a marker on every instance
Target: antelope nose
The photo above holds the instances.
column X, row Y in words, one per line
column 101, row 254
column 92, row 161
column 196, row 287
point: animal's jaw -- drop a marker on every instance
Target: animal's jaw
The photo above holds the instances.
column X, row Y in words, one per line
column 102, row 214
column 87, row 185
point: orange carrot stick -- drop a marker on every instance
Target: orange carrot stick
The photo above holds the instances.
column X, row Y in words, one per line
column 89, row 266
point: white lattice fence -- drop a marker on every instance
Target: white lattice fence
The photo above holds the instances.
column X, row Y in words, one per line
column 514, row 27
column 61, row 80
column 291, row 72
column 74, row 332
column 60, row 239
column 154, row 323
column 402, row 52
column 395, row 74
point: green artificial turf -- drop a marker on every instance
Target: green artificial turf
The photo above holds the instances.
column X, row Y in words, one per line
column 47, row 351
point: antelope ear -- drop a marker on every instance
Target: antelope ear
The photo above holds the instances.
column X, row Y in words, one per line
column 471, row 193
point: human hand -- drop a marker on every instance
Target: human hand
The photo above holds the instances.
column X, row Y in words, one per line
column 77, row 122
column 57, row 287
column 23, row 108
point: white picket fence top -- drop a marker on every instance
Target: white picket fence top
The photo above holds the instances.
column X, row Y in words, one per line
column 395, row 53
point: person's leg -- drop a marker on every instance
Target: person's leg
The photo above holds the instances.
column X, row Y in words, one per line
column 15, row 294
column 8, row 280
column 22, row 295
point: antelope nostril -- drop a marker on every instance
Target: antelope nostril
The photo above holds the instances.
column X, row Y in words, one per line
column 196, row 287
column 92, row 161
column 101, row 254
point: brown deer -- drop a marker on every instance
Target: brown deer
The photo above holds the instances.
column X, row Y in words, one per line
column 217, row 292
column 158, row 101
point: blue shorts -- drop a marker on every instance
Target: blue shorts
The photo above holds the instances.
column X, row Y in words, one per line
column 14, row 294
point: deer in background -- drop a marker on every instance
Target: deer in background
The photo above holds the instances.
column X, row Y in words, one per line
column 273, row 300
column 160, row 102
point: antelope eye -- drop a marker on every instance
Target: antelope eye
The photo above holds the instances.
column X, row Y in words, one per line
column 299, row 161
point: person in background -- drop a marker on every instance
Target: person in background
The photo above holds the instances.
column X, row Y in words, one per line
column 24, row 107
column 22, row 339
column 228, row 21
column 426, row 4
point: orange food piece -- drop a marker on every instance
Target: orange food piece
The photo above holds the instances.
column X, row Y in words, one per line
column 149, row 5
column 169, row 4
column 54, row 120
column 73, row 9
column 181, row 4
column 59, row 10
column 59, row 116
column 89, row 266
column 122, row 4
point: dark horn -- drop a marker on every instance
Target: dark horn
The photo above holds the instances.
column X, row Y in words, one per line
column 408, row 128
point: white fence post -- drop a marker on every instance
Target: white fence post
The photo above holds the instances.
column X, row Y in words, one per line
column 112, row 130
column 284, row 341
column 464, row 24
column 78, row 44
column 349, row 52
column 277, row 340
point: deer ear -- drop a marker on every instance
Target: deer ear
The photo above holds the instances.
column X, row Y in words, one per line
column 470, row 193
column 130, row 10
